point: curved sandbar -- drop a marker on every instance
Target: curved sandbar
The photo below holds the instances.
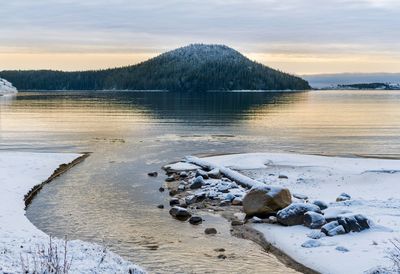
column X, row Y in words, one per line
column 20, row 241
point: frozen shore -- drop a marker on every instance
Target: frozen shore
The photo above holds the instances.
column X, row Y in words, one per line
column 22, row 245
column 373, row 185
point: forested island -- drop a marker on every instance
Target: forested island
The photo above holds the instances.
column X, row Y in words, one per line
column 196, row 67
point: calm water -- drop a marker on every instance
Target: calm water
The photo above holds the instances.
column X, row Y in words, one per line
column 109, row 198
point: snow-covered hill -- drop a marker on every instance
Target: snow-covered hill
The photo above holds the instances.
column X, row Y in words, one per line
column 6, row 87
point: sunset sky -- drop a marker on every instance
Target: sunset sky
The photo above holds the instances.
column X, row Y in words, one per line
column 298, row 36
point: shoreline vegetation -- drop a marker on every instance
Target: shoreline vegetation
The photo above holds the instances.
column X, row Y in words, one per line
column 194, row 68
column 362, row 241
column 27, row 249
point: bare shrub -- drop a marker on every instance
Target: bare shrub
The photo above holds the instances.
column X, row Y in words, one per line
column 394, row 254
column 47, row 259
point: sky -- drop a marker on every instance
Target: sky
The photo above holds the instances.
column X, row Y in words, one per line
column 296, row 36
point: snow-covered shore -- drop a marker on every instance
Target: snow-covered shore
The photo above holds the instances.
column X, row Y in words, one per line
column 21, row 243
column 6, row 87
column 375, row 190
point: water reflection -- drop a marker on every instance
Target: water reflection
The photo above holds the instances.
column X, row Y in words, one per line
column 110, row 198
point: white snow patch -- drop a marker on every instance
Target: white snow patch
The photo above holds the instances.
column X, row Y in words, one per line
column 19, row 238
column 6, row 87
column 373, row 184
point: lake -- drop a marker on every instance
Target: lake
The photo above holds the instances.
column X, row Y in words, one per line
column 109, row 198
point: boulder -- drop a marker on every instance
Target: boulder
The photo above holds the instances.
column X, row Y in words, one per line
column 314, row 220
column 198, row 182
column 353, row 223
column 343, row 197
column 266, row 201
column 160, row 206
column 180, row 213
column 339, row 230
column 281, row 176
column 210, row 230
column 329, row 226
column 294, row 213
column 195, row 220
column 321, row 204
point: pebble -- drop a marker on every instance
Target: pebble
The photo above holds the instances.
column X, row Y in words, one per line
column 160, row 206
column 210, row 230
column 152, row 174
column 195, row 220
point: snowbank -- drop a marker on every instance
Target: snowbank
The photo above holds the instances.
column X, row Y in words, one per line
column 6, row 87
column 20, row 241
column 374, row 185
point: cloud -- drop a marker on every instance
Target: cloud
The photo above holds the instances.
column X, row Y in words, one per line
column 257, row 26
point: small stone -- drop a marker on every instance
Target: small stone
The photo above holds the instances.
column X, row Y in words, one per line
column 236, row 222
column 161, row 189
column 256, row 220
column 237, row 201
column 160, row 206
column 152, row 174
column 201, row 173
column 219, row 250
column 195, row 220
column 342, row 249
column 173, row 192
column 210, row 231
column 170, row 178
column 180, row 213
column 183, row 174
column 181, row 187
column 221, row 256
column 229, row 197
column 321, row 204
column 214, row 174
column 300, row 196
column 224, row 203
column 311, row 244
column 316, row 235
column 343, row 197
column 174, row 201
column 283, row 176
column 198, row 182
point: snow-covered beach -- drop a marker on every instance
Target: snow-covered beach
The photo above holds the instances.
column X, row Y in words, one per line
column 23, row 247
column 6, row 87
column 373, row 185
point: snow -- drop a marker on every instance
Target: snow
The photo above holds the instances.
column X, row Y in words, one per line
column 20, row 240
column 373, row 185
column 6, row 87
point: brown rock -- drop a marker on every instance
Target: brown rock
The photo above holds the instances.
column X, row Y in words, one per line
column 265, row 201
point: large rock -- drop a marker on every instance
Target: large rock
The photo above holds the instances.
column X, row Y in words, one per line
column 198, row 182
column 314, row 220
column 265, row 201
column 180, row 213
column 294, row 213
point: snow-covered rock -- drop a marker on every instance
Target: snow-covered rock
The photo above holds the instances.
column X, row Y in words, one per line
column 6, row 87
